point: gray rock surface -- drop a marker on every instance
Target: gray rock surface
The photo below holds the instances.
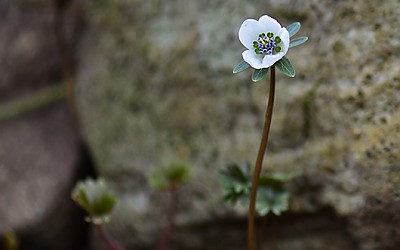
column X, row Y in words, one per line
column 33, row 179
column 155, row 84
column 23, row 64
column 39, row 152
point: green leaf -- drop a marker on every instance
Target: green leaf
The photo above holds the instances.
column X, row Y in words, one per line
column 276, row 178
column 241, row 67
column 286, row 67
column 258, row 74
column 157, row 179
column 298, row 41
column 104, row 205
column 236, row 179
column 234, row 173
column 272, row 195
column 236, row 182
column 168, row 176
column 270, row 199
column 293, row 28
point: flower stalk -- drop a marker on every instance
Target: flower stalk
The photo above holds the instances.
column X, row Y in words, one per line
column 98, row 201
column 166, row 236
column 106, row 238
column 169, row 178
column 251, row 241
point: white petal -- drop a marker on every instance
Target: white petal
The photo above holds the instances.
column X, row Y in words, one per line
column 284, row 35
column 269, row 60
column 269, row 24
column 253, row 59
column 248, row 32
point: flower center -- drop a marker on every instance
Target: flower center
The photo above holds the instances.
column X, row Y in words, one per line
column 267, row 44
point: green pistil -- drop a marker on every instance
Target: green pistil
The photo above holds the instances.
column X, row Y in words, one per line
column 270, row 34
column 255, row 44
column 277, row 49
column 277, row 39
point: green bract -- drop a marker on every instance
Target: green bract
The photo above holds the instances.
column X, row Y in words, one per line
column 293, row 28
column 240, row 67
column 94, row 197
column 298, row 41
column 286, row 67
column 258, row 74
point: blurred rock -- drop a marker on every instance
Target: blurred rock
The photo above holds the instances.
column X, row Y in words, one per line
column 155, row 84
column 23, row 65
column 39, row 152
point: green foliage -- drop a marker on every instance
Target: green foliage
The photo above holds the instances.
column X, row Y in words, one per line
column 170, row 176
column 95, row 198
column 293, row 28
column 241, row 67
column 10, row 241
column 236, row 182
column 272, row 195
column 286, row 67
column 258, row 74
column 298, row 41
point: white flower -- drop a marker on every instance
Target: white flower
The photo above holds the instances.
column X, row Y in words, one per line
column 266, row 40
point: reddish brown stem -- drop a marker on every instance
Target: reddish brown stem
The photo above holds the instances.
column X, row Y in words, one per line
column 107, row 239
column 166, row 236
column 251, row 234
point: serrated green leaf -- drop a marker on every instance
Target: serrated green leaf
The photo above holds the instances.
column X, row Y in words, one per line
column 286, row 67
column 241, row 67
column 236, row 174
column 284, row 177
column 276, row 179
column 80, row 198
column 236, row 183
column 177, row 173
column 244, row 199
column 94, row 197
column 168, row 176
column 293, row 28
column 238, row 188
column 272, row 195
column 298, row 41
column 258, row 74
column 233, row 172
column 229, row 198
column 157, row 179
column 272, row 200
column 104, row 205
column 239, row 174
